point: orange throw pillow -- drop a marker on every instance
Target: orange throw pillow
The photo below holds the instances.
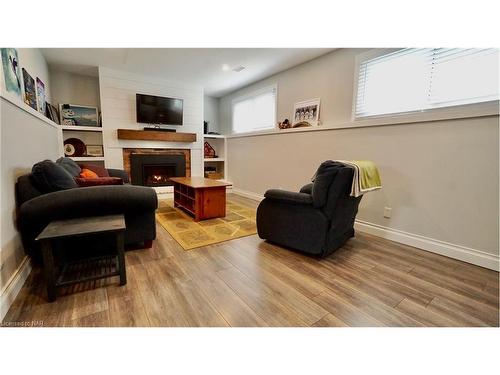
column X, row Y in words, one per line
column 87, row 173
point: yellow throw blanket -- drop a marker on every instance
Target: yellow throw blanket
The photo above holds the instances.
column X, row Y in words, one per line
column 366, row 177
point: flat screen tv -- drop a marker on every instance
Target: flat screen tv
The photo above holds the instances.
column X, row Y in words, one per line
column 159, row 110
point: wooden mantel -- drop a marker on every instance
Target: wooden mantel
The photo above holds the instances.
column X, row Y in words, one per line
column 152, row 135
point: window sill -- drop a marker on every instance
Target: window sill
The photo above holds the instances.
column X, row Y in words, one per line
column 438, row 114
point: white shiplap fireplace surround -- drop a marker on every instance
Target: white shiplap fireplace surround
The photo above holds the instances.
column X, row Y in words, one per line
column 118, row 91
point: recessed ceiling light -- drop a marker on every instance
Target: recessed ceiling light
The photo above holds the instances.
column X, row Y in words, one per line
column 225, row 67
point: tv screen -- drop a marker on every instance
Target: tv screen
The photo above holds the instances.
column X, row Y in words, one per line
column 158, row 110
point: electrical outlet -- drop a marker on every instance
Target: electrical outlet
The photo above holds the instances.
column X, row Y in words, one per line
column 387, row 212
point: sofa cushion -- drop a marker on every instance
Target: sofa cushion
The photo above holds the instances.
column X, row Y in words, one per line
column 26, row 189
column 99, row 181
column 87, row 173
column 97, row 169
column 49, row 176
column 70, row 165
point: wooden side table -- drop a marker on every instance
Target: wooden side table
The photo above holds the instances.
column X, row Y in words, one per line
column 81, row 227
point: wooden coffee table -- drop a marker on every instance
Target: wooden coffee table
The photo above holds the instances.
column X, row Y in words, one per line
column 203, row 198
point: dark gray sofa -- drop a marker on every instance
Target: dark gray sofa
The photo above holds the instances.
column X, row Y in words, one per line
column 36, row 209
column 317, row 220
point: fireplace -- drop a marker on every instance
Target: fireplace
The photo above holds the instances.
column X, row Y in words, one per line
column 156, row 170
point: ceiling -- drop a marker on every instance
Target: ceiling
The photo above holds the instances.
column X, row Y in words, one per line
column 210, row 68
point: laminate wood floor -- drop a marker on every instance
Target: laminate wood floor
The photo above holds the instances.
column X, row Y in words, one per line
column 248, row 282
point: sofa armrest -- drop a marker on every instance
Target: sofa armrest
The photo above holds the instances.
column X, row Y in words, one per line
column 288, row 197
column 119, row 173
column 307, row 189
column 87, row 201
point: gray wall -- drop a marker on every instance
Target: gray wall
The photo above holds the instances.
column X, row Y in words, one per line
column 440, row 178
column 25, row 140
column 329, row 77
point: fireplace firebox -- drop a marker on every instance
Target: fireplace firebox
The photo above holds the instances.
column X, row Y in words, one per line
column 156, row 170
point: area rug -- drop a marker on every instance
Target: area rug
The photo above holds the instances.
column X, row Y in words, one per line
column 238, row 222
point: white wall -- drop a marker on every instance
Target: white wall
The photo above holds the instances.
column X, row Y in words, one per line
column 74, row 88
column 118, row 106
column 440, row 178
column 211, row 112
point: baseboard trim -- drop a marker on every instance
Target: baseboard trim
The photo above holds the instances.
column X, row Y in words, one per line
column 14, row 286
column 248, row 194
column 466, row 254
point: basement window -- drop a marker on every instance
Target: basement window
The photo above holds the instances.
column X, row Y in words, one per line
column 421, row 79
column 255, row 111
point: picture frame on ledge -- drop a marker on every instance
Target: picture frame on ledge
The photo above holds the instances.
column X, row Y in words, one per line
column 40, row 96
column 95, row 150
column 11, row 71
column 52, row 113
column 306, row 113
column 79, row 115
column 29, row 90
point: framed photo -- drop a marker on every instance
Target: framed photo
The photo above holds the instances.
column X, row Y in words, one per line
column 40, row 95
column 52, row 113
column 306, row 112
column 79, row 115
column 29, row 90
column 95, row 150
column 11, row 70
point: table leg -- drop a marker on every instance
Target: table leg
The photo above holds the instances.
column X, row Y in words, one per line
column 121, row 257
column 49, row 270
column 197, row 195
column 224, row 202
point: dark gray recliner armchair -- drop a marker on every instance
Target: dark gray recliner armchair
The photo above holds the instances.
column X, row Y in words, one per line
column 317, row 220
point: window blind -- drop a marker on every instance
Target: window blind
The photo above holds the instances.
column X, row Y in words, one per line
column 415, row 79
column 255, row 112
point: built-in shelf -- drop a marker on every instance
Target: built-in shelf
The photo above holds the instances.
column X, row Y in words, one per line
column 218, row 164
column 88, row 158
column 82, row 128
column 156, row 135
column 214, row 136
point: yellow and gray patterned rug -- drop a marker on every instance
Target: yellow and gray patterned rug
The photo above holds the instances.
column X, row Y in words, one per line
column 238, row 222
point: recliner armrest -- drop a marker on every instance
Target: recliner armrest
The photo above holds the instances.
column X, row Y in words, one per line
column 288, row 197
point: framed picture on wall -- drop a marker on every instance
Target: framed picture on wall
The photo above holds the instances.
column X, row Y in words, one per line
column 11, row 70
column 79, row 115
column 40, row 96
column 29, row 90
column 52, row 113
column 306, row 111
